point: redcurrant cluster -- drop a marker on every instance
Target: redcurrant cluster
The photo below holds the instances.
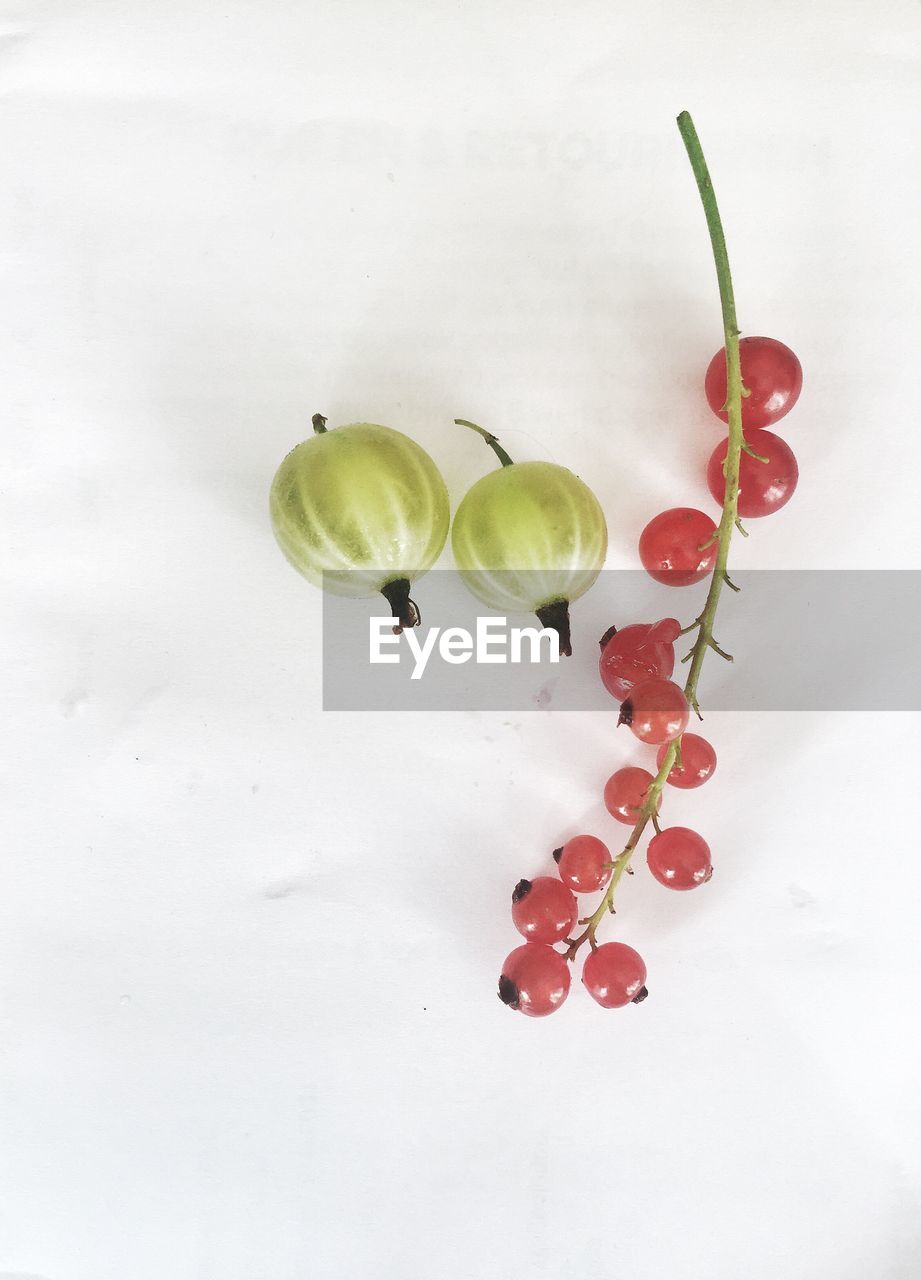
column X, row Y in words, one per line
column 535, row 977
column 678, row 548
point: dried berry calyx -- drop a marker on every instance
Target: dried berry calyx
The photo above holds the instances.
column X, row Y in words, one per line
column 508, row 992
column 521, row 890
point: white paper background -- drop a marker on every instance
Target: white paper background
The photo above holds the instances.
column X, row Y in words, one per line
column 248, row 950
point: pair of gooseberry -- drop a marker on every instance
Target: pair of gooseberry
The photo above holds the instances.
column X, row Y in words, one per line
column 364, row 509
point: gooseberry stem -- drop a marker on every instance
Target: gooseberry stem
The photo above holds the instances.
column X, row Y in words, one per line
column 728, row 521
column 491, row 440
column 318, row 422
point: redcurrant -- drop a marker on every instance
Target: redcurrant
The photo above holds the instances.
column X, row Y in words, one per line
column 636, row 652
column 624, row 793
column 582, row 862
column 677, row 547
column 679, row 858
column 543, row 910
column 656, row 711
column 764, row 487
column 770, row 371
column 698, row 762
column 534, row 980
column 615, row 975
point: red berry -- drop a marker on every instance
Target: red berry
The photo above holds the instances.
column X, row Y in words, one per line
column 636, row 652
column 672, row 546
column 624, row 793
column 770, row 371
column 698, row 762
column 543, row 910
column 764, row 487
column 656, row 711
column 679, row 858
column 615, row 975
column 582, row 863
column 534, row 980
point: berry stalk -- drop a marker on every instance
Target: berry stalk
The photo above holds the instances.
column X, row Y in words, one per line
column 491, row 440
column 734, row 393
column 729, row 520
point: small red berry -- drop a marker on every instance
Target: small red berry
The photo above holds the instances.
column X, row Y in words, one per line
column 543, row 910
column 582, row 863
column 656, row 711
column 764, row 487
column 637, row 652
column 624, row 793
column 534, row 980
column 615, row 975
column 698, row 762
column 678, row 548
column 770, row 372
column 679, row 858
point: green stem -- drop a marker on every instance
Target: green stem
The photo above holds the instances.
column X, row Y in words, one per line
column 318, row 422
column 728, row 520
column 734, row 393
column 491, row 440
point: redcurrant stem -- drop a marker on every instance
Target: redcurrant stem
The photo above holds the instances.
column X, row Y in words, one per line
column 730, row 513
column 491, row 440
column 728, row 521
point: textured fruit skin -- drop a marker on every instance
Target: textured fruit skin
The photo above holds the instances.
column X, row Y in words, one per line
column 582, row 864
column 764, row 487
column 656, row 711
column 358, row 507
column 528, row 535
column 636, row 653
column 624, row 793
column 679, row 858
column 698, row 762
column 614, row 975
column 670, row 546
column 543, row 909
column 535, row 980
column 770, row 371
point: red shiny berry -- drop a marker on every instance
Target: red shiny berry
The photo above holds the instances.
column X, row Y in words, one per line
column 637, row 652
column 615, row 975
column 543, row 910
column 770, row 371
column 624, row 793
column 764, row 487
column 698, row 762
column 679, row 858
column 656, row 711
column 534, row 980
column 582, row 863
column 677, row 547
